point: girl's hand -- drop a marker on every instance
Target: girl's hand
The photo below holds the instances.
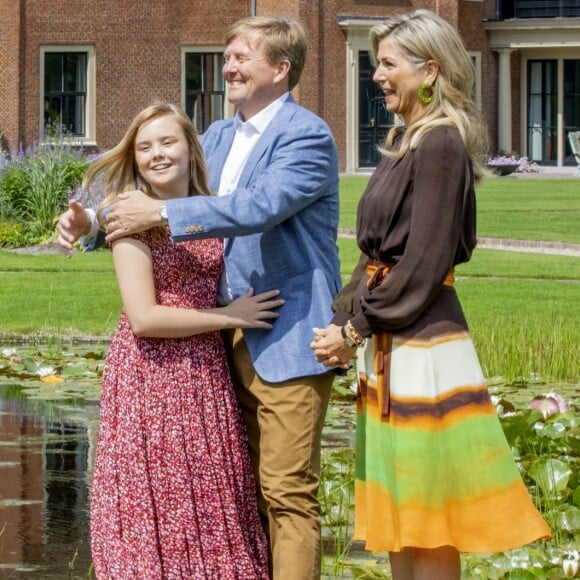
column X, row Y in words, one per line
column 251, row 311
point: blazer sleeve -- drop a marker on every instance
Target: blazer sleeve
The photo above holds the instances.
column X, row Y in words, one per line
column 297, row 165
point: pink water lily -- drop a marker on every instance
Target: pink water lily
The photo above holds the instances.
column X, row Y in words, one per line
column 549, row 404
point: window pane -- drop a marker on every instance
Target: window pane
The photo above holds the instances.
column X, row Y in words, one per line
column 542, row 110
column 76, row 67
column 52, row 72
column 193, row 77
column 571, row 104
column 204, row 88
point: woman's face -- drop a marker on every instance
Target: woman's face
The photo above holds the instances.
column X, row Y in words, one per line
column 399, row 78
column 162, row 156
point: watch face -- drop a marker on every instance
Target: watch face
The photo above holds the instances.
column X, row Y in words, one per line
column 163, row 212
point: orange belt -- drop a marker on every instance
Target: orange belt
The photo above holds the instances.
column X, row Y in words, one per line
column 378, row 271
column 383, row 341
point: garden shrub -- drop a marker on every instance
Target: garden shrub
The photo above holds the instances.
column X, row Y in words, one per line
column 35, row 185
column 13, row 235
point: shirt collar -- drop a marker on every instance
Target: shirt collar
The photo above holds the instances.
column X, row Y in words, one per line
column 259, row 122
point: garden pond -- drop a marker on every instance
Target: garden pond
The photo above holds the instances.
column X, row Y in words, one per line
column 49, row 397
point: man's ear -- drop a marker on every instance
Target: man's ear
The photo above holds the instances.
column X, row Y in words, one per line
column 282, row 71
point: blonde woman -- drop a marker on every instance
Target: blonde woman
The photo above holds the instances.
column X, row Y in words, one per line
column 434, row 473
column 173, row 492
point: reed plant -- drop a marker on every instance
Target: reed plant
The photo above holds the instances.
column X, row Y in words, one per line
column 336, row 497
column 529, row 350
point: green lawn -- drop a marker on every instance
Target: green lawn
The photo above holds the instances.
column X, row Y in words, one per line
column 490, row 263
column 522, row 310
column 521, row 307
column 56, row 296
column 524, row 209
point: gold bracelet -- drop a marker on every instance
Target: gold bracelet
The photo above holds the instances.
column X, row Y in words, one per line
column 355, row 338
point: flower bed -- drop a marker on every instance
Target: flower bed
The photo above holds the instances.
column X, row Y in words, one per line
column 506, row 164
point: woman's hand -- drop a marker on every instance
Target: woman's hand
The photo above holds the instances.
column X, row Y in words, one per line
column 251, row 311
column 330, row 349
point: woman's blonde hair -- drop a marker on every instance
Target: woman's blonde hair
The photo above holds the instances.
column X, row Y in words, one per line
column 280, row 38
column 423, row 36
column 117, row 167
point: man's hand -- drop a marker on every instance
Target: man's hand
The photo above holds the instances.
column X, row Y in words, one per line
column 72, row 224
column 132, row 212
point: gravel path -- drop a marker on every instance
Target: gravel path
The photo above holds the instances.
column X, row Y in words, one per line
column 559, row 248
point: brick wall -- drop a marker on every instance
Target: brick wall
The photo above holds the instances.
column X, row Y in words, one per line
column 137, row 47
column 9, row 73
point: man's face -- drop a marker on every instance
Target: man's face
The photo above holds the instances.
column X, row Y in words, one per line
column 253, row 82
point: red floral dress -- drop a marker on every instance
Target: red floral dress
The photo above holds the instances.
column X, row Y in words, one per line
column 173, row 492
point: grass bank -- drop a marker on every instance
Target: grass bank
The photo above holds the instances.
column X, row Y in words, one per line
column 522, row 310
column 521, row 307
column 522, row 209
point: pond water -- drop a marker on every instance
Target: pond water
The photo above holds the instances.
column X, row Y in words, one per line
column 46, row 461
column 48, row 436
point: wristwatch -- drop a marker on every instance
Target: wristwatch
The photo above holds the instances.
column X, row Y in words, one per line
column 163, row 214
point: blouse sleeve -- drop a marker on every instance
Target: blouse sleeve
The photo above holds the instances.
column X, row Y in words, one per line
column 440, row 179
column 345, row 304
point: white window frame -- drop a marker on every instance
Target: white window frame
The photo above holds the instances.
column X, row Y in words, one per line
column 89, row 137
column 476, row 58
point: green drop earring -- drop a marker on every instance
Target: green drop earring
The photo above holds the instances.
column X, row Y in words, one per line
column 425, row 99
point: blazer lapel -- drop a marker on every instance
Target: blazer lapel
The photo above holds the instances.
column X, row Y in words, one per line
column 277, row 125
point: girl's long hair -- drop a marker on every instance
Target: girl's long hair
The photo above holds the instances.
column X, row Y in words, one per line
column 423, row 35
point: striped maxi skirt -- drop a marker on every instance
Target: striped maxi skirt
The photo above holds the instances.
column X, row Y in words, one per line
column 433, row 467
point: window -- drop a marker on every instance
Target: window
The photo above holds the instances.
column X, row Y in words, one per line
column 204, row 87
column 542, row 110
column 537, row 9
column 571, row 103
column 66, row 76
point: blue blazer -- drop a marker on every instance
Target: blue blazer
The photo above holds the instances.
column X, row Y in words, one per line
column 280, row 226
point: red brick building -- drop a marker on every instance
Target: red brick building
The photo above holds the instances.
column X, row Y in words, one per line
column 93, row 65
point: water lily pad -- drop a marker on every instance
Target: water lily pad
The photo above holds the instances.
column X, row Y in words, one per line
column 552, row 475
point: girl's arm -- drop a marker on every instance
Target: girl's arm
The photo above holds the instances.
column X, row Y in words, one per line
column 134, row 268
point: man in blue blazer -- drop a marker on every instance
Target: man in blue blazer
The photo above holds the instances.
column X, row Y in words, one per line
column 275, row 168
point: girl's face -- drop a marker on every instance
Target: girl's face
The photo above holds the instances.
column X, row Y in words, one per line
column 399, row 78
column 162, row 157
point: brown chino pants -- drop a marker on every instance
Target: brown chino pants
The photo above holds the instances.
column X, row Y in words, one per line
column 284, row 423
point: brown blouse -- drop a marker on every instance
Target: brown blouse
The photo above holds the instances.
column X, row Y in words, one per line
column 417, row 212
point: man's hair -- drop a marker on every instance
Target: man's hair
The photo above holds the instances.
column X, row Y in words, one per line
column 280, row 38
